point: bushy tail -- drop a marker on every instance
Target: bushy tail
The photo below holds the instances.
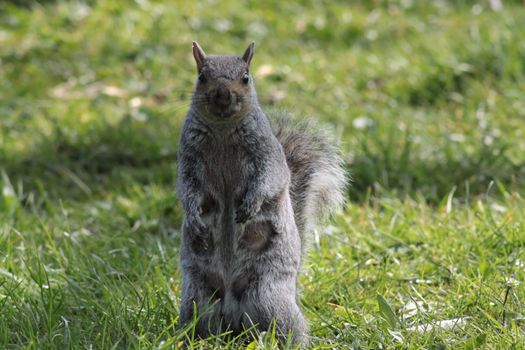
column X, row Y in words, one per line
column 318, row 174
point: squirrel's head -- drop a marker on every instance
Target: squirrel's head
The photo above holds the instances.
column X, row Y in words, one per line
column 224, row 89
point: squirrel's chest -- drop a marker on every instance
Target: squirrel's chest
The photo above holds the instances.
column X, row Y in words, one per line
column 228, row 167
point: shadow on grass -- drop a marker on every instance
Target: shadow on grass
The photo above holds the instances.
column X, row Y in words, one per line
column 110, row 158
column 102, row 158
column 385, row 166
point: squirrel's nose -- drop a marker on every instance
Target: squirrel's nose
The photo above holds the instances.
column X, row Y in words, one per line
column 222, row 96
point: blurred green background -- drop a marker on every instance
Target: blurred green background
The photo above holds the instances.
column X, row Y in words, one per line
column 427, row 98
column 425, row 95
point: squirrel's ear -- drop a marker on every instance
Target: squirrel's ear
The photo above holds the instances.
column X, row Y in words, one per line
column 248, row 54
column 198, row 54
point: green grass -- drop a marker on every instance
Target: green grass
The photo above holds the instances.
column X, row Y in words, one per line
column 427, row 98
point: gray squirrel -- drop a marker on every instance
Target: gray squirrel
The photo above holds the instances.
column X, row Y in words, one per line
column 252, row 192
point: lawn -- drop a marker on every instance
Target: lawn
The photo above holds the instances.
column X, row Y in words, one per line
column 427, row 98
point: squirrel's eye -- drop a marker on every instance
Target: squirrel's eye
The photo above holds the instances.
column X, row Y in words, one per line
column 245, row 78
column 201, row 77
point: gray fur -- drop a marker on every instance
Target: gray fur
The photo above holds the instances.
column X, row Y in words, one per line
column 245, row 213
column 318, row 177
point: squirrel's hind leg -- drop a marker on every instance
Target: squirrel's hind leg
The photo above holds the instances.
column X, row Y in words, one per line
column 266, row 309
column 201, row 300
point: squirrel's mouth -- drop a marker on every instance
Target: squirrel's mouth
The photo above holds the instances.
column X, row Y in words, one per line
column 224, row 112
column 224, row 109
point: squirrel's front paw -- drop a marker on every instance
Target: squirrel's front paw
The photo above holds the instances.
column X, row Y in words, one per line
column 199, row 230
column 246, row 211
